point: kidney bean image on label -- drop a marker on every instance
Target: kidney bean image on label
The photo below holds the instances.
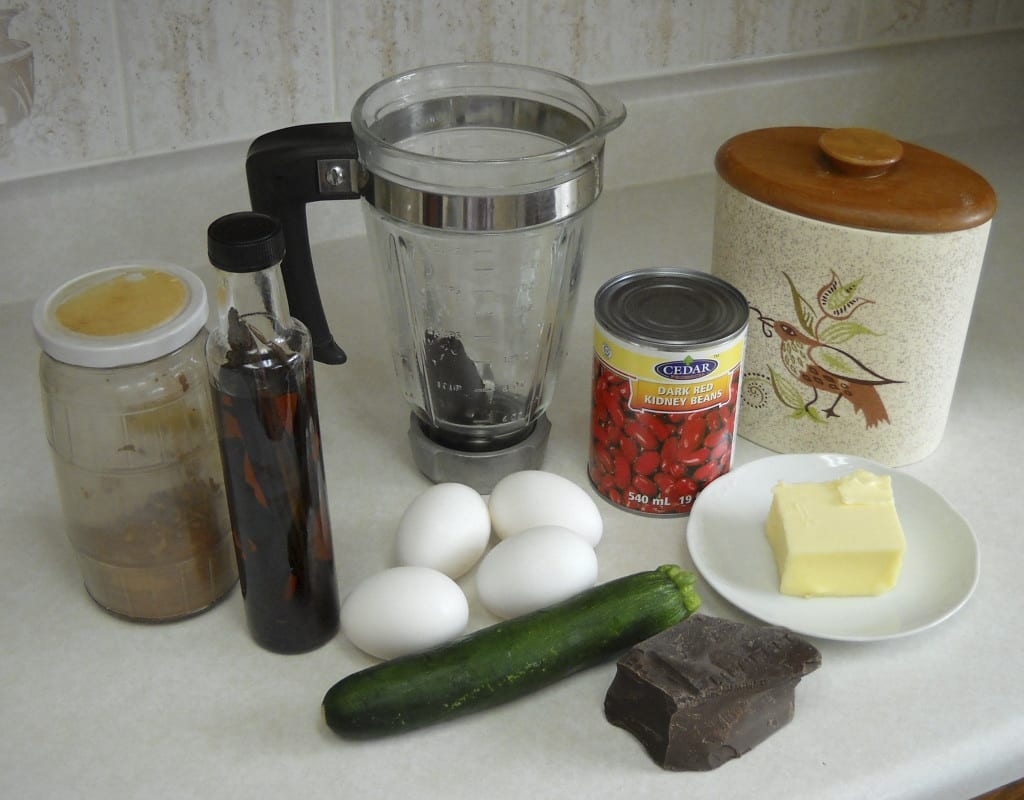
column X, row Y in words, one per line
column 668, row 352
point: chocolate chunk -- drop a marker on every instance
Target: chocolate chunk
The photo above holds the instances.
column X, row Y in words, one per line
column 708, row 690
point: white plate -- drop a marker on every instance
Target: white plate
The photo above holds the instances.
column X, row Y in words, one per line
column 725, row 534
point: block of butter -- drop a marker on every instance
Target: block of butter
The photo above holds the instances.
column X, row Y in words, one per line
column 836, row 538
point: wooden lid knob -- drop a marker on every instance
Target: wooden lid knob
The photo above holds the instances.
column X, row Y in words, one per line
column 860, row 152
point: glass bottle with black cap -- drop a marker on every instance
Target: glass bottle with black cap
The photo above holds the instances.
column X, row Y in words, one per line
column 261, row 373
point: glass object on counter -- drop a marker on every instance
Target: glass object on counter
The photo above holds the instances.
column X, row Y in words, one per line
column 128, row 417
column 261, row 370
column 16, row 79
column 477, row 182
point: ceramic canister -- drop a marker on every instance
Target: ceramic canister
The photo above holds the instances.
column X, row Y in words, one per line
column 859, row 256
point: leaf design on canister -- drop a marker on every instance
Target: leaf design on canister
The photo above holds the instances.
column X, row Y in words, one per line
column 804, row 310
column 786, row 391
column 838, row 300
column 844, row 331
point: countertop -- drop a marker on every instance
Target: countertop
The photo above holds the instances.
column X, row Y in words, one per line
column 93, row 706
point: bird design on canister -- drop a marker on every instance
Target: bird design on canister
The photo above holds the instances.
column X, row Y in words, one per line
column 809, row 351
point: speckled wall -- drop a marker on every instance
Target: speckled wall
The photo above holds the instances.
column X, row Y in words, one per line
column 87, row 81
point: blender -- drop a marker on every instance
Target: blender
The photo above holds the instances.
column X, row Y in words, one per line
column 476, row 181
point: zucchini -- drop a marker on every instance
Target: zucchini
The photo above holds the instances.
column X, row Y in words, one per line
column 510, row 659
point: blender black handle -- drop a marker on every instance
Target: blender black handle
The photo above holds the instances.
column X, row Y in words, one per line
column 287, row 169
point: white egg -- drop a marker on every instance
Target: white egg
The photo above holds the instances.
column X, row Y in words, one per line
column 532, row 497
column 447, row 528
column 535, row 569
column 404, row 610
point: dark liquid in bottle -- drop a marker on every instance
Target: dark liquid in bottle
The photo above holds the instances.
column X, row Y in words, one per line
column 269, row 438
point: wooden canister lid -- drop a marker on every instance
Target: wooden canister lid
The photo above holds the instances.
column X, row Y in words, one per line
column 856, row 177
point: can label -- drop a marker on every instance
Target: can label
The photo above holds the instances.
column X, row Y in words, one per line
column 663, row 422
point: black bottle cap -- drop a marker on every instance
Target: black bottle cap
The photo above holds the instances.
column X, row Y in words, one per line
column 245, row 242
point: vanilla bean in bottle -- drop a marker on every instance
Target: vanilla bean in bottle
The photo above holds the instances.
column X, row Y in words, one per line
column 264, row 397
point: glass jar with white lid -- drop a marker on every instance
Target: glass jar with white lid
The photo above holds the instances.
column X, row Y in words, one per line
column 128, row 417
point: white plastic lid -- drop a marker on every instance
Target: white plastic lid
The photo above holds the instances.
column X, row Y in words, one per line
column 155, row 332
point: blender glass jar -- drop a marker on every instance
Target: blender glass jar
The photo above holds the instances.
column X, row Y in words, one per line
column 476, row 180
column 127, row 414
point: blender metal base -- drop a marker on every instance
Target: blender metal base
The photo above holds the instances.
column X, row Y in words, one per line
column 479, row 470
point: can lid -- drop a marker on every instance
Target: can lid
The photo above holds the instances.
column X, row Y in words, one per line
column 670, row 308
column 856, row 177
column 121, row 315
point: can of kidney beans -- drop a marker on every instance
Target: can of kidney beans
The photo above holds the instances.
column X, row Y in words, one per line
column 668, row 358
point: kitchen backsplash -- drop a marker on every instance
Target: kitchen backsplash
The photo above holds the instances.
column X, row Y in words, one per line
column 85, row 81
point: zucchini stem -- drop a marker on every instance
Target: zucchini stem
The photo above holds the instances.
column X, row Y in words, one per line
column 686, row 582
